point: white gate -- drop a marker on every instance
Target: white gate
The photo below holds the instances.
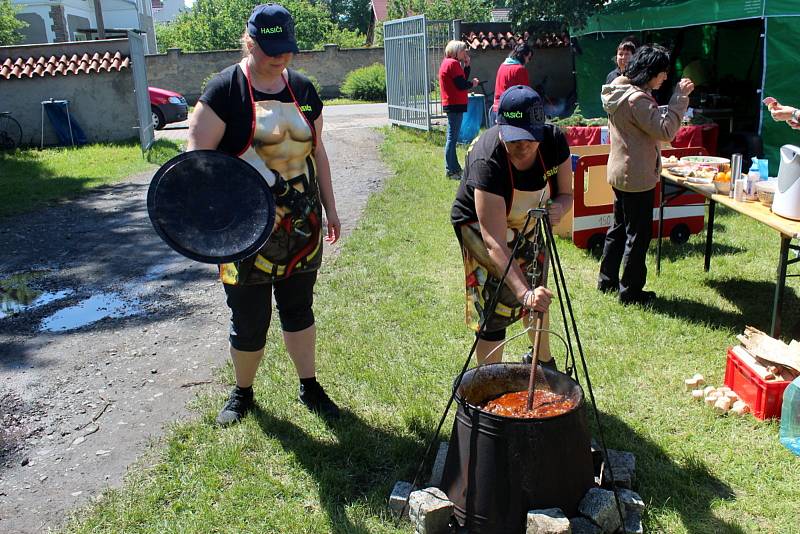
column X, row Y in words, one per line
column 145, row 116
column 413, row 49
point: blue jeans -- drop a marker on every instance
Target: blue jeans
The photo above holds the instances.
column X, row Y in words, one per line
column 453, row 128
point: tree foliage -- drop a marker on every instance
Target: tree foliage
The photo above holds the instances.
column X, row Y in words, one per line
column 466, row 10
column 219, row 25
column 10, row 25
column 531, row 14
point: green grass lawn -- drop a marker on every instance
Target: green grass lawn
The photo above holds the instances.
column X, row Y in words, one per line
column 391, row 339
column 345, row 101
column 30, row 178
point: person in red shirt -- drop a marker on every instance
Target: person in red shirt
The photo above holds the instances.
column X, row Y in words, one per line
column 453, row 73
column 511, row 72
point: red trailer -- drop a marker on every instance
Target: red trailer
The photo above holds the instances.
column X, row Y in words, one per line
column 593, row 204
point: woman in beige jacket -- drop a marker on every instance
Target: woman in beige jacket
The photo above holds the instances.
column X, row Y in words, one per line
column 637, row 126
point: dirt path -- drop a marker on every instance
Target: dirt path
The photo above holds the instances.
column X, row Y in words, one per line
column 80, row 404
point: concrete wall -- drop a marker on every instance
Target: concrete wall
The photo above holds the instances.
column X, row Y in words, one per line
column 102, row 103
column 185, row 72
column 551, row 67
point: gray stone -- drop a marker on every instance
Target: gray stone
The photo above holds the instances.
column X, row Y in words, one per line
column 581, row 525
column 600, row 506
column 430, row 511
column 631, row 500
column 622, row 477
column 633, row 523
column 622, row 460
column 399, row 496
column 438, row 466
column 547, row 521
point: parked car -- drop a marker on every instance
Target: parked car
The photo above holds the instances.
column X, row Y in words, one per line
column 167, row 107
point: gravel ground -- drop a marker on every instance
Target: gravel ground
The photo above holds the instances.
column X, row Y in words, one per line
column 123, row 333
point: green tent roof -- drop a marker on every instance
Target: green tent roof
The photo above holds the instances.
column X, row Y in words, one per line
column 638, row 15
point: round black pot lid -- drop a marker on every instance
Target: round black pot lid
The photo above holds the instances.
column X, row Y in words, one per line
column 211, row 207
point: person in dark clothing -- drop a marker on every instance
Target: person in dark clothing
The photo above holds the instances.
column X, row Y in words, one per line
column 518, row 164
column 625, row 50
column 271, row 116
column 453, row 74
column 637, row 127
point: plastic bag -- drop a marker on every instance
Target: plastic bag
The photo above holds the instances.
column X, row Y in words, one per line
column 472, row 121
column 790, row 417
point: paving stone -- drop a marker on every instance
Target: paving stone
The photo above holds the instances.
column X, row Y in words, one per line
column 581, row 525
column 622, row 478
column 633, row 523
column 438, row 465
column 631, row 500
column 547, row 521
column 600, row 506
column 430, row 511
column 399, row 496
column 623, row 460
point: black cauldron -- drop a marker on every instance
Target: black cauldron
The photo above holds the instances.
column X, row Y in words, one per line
column 498, row 468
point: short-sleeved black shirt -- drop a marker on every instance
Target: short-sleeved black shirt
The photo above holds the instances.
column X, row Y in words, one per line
column 487, row 169
column 228, row 95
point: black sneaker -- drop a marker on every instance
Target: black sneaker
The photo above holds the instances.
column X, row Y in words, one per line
column 317, row 401
column 607, row 288
column 641, row 298
column 239, row 403
column 454, row 175
column 550, row 364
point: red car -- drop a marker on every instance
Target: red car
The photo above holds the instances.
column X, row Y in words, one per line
column 167, row 107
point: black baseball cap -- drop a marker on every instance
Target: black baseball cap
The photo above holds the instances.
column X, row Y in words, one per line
column 520, row 114
column 272, row 27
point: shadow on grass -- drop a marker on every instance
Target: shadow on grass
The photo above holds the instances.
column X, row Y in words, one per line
column 753, row 299
column 673, row 252
column 361, row 466
column 687, row 488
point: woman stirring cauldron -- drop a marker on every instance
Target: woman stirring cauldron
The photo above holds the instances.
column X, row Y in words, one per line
column 518, row 164
column 271, row 116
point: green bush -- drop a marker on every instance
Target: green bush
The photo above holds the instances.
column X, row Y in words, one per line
column 367, row 83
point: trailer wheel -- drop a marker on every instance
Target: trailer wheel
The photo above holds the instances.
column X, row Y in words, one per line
column 595, row 244
column 679, row 234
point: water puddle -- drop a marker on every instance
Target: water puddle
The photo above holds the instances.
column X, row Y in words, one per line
column 90, row 310
column 13, row 303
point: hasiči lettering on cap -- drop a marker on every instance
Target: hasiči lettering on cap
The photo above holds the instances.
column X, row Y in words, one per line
column 512, row 114
column 274, row 29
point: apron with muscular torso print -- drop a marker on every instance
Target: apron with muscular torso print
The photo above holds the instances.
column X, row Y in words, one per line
column 282, row 140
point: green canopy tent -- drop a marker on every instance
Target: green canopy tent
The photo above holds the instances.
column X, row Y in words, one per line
column 751, row 43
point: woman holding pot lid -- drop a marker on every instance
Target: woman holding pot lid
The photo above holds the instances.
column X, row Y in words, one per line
column 518, row 164
column 637, row 127
column 271, row 116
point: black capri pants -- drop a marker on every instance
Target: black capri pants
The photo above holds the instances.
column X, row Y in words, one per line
column 251, row 309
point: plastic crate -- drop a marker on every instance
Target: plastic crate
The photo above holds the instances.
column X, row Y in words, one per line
column 763, row 397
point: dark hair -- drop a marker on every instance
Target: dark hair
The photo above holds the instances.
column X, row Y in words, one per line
column 629, row 43
column 647, row 62
column 520, row 51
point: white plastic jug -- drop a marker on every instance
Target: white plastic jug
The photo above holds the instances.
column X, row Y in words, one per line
column 787, row 196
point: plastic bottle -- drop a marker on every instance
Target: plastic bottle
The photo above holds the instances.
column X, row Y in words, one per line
column 753, row 177
column 790, row 417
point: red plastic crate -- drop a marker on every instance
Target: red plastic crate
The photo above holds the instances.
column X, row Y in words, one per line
column 763, row 397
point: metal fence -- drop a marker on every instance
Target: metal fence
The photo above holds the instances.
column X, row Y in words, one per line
column 414, row 48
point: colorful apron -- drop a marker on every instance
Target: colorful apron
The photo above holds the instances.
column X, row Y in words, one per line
column 296, row 241
column 483, row 276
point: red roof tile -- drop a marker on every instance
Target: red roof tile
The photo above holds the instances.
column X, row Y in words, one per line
column 381, row 9
column 507, row 40
column 40, row 66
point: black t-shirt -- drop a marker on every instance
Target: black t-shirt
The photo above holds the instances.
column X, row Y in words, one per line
column 613, row 75
column 228, row 95
column 487, row 169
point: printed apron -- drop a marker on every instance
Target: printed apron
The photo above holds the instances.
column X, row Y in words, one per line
column 278, row 129
column 482, row 275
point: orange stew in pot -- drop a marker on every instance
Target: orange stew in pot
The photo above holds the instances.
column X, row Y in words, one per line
column 545, row 404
